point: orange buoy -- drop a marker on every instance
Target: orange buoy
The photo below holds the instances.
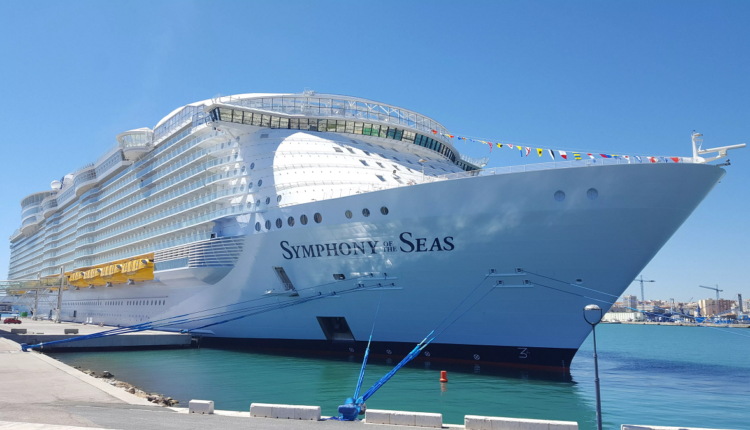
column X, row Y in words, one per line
column 443, row 376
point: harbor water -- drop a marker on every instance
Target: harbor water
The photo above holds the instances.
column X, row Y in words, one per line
column 659, row 375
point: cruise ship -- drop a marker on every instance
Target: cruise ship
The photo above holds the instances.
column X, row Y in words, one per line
column 328, row 209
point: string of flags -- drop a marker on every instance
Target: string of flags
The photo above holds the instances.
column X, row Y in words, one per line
column 565, row 155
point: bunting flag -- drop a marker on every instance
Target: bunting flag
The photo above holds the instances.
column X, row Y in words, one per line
column 434, row 131
column 563, row 154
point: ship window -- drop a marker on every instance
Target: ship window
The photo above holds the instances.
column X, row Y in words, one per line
column 406, row 161
column 366, row 212
column 350, row 126
column 358, row 127
column 294, row 123
column 283, row 122
column 348, row 214
column 350, row 150
column 366, row 153
column 381, row 178
column 265, row 121
column 396, row 167
column 318, row 218
column 268, row 224
column 257, row 226
column 248, row 119
column 252, row 166
column 290, row 221
column 337, row 149
column 303, row 219
column 384, row 210
column 279, row 223
column 380, row 164
column 364, row 162
column 368, row 144
column 339, row 276
column 383, row 156
column 260, row 182
column 268, row 200
column 257, row 202
column 395, row 158
column 278, row 198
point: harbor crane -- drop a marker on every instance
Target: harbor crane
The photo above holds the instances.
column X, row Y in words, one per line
column 641, row 280
column 713, row 288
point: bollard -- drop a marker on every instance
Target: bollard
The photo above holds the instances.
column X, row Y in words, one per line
column 443, row 376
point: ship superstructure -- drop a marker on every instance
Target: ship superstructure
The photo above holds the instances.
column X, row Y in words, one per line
column 280, row 196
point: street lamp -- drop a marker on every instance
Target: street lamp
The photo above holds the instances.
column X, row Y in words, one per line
column 422, row 161
column 593, row 315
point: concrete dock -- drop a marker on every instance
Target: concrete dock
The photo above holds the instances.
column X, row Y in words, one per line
column 38, row 392
column 34, row 332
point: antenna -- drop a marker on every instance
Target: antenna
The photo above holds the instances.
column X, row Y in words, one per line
column 713, row 288
column 641, row 280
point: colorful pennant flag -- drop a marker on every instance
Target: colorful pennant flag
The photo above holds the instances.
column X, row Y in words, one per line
column 675, row 159
column 499, row 145
column 639, row 159
column 605, row 156
column 563, row 154
column 652, row 159
column 591, row 156
column 577, row 156
column 510, row 145
column 528, row 151
column 539, row 151
column 551, row 154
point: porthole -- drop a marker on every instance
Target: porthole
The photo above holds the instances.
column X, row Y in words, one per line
column 384, row 210
column 559, row 196
column 257, row 226
column 249, row 185
column 592, row 193
column 279, row 223
column 278, row 198
column 366, row 212
column 348, row 214
column 252, row 166
column 268, row 200
column 303, row 219
column 268, row 224
column 260, row 182
column 318, row 218
column 257, row 202
column 290, row 221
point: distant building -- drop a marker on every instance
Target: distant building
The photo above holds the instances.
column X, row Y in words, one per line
column 630, row 302
column 623, row 316
column 711, row 307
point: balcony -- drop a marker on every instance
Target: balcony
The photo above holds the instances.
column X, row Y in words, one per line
column 84, row 180
column 136, row 143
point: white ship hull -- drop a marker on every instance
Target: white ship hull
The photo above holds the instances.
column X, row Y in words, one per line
column 469, row 227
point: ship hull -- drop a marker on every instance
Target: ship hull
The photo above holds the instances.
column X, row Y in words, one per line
column 433, row 263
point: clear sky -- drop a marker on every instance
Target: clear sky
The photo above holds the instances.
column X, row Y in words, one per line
column 630, row 77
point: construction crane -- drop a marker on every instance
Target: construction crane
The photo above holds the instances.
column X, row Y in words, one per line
column 713, row 288
column 641, row 280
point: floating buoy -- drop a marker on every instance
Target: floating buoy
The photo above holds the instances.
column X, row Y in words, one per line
column 443, row 376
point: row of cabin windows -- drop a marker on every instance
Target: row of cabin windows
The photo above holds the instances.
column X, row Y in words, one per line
column 119, row 302
column 336, row 126
column 317, row 217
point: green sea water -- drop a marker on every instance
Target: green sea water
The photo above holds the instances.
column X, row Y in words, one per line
column 658, row 375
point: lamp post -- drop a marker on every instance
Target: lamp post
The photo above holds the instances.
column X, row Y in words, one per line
column 593, row 315
column 422, row 161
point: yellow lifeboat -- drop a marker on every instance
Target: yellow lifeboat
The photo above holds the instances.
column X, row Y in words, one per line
column 76, row 279
column 141, row 269
column 94, row 277
column 113, row 273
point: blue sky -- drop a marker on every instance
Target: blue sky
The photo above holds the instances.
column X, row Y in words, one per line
column 620, row 77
